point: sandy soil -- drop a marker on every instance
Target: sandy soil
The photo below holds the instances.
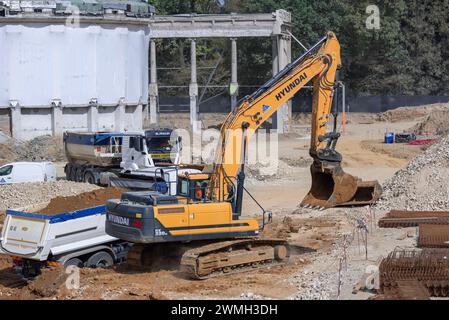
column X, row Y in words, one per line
column 316, row 237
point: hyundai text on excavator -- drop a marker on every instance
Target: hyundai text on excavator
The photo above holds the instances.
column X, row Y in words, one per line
column 205, row 216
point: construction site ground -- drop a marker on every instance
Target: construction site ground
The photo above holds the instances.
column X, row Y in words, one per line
column 327, row 246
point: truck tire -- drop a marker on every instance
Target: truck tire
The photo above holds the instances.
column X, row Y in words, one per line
column 72, row 173
column 89, row 178
column 74, row 262
column 101, row 259
column 67, row 172
column 78, row 175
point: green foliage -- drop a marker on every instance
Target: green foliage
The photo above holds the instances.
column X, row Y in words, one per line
column 408, row 55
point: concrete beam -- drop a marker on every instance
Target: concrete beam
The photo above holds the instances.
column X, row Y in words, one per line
column 220, row 25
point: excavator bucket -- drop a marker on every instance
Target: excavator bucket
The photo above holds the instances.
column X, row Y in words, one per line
column 332, row 187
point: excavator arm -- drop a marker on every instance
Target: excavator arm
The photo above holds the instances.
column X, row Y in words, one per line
column 319, row 64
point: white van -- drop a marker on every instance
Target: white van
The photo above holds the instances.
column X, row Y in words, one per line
column 20, row 172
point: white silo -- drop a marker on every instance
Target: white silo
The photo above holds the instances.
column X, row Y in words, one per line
column 73, row 66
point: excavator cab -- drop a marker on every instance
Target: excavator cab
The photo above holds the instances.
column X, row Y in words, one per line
column 193, row 187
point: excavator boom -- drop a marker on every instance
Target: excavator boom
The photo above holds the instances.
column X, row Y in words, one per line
column 331, row 186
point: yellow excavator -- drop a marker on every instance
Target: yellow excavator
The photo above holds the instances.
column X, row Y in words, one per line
column 204, row 218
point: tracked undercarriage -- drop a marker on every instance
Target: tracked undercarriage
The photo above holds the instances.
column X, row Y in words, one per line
column 203, row 261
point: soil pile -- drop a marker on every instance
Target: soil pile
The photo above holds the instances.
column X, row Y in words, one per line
column 422, row 184
column 410, row 113
column 436, row 123
column 26, row 194
column 84, row 200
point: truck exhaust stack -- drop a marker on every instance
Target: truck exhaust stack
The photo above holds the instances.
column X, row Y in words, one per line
column 332, row 187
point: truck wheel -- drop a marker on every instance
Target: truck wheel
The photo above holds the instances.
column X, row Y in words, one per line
column 74, row 262
column 67, row 173
column 72, row 174
column 100, row 259
column 78, row 175
column 89, row 178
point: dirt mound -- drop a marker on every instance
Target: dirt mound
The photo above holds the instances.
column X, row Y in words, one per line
column 7, row 153
column 49, row 283
column 84, row 200
column 410, row 113
column 422, row 184
column 25, row 194
column 436, row 123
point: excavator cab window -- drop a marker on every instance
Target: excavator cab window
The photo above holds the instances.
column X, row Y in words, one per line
column 194, row 189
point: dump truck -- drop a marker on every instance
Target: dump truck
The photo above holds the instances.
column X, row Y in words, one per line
column 37, row 240
column 134, row 160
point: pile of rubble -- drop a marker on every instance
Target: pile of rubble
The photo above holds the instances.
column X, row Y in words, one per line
column 43, row 148
column 422, row 184
column 25, row 194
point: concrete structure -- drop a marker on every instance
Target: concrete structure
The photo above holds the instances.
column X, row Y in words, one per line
column 74, row 72
column 82, row 65
column 276, row 25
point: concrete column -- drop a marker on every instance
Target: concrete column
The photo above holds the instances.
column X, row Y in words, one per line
column 92, row 118
column 16, row 120
column 119, row 116
column 234, row 86
column 56, row 118
column 193, row 86
column 274, row 55
column 282, row 118
column 138, row 118
column 153, row 89
column 145, row 114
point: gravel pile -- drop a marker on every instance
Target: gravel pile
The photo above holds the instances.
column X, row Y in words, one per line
column 423, row 184
column 25, row 194
column 43, row 148
column 316, row 285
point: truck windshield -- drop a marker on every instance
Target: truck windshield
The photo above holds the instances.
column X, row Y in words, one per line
column 157, row 144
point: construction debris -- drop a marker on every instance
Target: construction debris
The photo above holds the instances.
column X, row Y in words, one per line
column 422, row 184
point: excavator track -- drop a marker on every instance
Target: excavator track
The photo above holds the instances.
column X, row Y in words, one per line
column 235, row 256
column 135, row 256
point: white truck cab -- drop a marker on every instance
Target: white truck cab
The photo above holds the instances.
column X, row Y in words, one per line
column 21, row 172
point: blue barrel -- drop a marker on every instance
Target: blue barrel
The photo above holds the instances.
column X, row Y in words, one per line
column 389, row 137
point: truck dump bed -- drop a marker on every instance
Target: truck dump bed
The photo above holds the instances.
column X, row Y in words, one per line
column 37, row 236
column 94, row 148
